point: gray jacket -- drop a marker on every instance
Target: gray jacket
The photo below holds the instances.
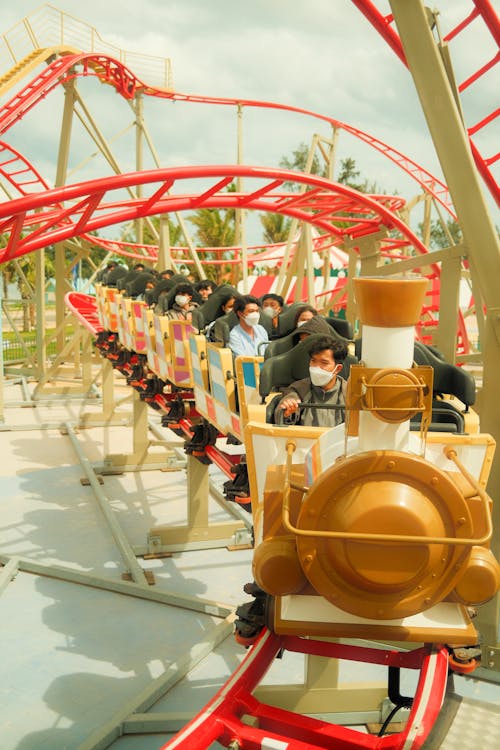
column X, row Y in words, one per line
column 306, row 392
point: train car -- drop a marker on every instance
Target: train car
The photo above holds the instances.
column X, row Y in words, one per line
column 368, row 530
column 372, row 530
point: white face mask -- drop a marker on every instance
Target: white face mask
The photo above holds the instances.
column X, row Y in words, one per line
column 301, row 323
column 271, row 312
column 181, row 299
column 321, row 377
column 252, row 319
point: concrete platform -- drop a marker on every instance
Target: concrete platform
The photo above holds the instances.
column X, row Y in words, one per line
column 86, row 655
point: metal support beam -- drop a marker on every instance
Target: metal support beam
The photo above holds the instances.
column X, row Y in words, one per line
column 103, row 736
column 164, row 252
column 8, row 572
column 128, row 588
column 198, row 533
column 137, row 573
column 439, row 104
column 449, row 304
column 141, row 458
column 61, row 173
column 139, row 161
column 240, row 228
column 41, row 349
column 321, row 691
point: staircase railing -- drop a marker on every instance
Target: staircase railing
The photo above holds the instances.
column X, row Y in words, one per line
column 50, row 27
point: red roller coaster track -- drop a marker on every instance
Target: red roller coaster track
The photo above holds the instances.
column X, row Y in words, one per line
column 24, row 177
column 482, row 10
column 113, row 72
column 35, row 221
column 325, row 206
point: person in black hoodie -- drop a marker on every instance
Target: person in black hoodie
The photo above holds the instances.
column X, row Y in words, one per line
column 316, row 324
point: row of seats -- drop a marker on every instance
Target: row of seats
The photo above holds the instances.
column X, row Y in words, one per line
column 175, row 355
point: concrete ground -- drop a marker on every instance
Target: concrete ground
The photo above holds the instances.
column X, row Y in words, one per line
column 79, row 651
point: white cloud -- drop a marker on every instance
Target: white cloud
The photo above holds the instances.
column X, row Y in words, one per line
column 321, row 55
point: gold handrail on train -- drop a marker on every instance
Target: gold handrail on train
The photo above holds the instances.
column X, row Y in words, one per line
column 449, row 452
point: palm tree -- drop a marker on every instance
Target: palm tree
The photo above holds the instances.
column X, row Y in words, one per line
column 214, row 228
column 276, row 228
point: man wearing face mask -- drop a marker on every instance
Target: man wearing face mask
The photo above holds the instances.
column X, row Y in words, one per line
column 272, row 306
column 183, row 303
column 245, row 337
column 323, row 386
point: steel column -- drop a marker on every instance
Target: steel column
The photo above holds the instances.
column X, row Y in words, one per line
column 483, row 247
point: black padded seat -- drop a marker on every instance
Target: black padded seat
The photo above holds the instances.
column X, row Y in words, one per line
column 151, row 295
column 445, row 418
column 137, row 286
column 113, row 276
column 448, row 379
column 278, row 346
column 286, row 320
column 207, row 312
column 341, row 326
column 127, row 278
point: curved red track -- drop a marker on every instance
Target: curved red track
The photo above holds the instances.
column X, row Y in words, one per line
column 18, row 171
column 35, row 221
column 113, row 72
column 483, row 10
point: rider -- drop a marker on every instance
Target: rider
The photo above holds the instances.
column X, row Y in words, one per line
column 323, row 386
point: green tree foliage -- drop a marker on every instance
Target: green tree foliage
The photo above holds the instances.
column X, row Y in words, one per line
column 215, row 227
column 276, row 228
column 349, row 175
column 298, row 161
column 439, row 237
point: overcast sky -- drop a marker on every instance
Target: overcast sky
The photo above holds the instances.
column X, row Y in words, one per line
column 321, row 55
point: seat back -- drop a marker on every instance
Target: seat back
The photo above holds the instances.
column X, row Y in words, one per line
column 113, row 276
column 126, row 323
column 199, row 361
column 247, row 370
column 162, row 346
column 207, row 312
column 148, row 326
column 102, row 305
column 112, row 301
column 341, row 326
column 448, row 378
column 286, row 321
column 198, row 319
column 137, row 285
column 222, row 328
column 221, row 373
column 179, row 364
column 161, row 287
column 278, row 346
column 138, row 332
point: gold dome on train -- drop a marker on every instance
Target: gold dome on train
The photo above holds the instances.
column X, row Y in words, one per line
column 394, row 517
